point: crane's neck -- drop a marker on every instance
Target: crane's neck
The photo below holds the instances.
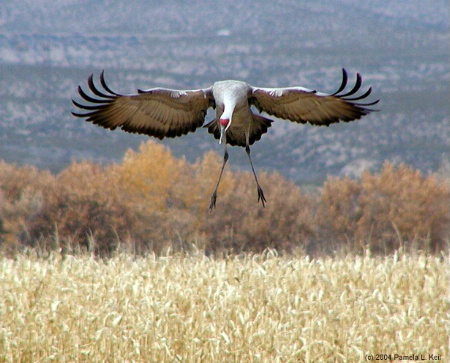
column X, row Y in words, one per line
column 229, row 95
column 227, row 115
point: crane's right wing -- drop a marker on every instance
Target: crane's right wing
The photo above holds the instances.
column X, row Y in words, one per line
column 304, row 105
column 157, row 112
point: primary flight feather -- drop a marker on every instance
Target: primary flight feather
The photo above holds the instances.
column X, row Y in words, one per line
column 162, row 112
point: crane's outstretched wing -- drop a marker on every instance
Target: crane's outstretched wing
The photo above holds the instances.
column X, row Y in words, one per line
column 304, row 105
column 157, row 112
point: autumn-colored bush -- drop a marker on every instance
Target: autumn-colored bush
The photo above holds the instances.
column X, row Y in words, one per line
column 21, row 199
column 82, row 208
column 386, row 210
column 152, row 201
column 240, row 223
column 167, row 196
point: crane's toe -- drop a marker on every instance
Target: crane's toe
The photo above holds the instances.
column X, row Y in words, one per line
column 212, row 204
column 261, row 196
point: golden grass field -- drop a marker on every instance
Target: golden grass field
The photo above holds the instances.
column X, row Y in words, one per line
column 249, row 308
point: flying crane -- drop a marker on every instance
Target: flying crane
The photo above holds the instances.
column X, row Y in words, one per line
column 162, row 112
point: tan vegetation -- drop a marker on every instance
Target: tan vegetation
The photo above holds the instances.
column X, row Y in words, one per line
column 152, row 201
column 160, row 298
column 248, row 308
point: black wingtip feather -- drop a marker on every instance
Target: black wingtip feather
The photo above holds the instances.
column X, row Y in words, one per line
column 76, row 114
column 365, row 95
column 103, row 83
column 96, row 105
column 355, row 88
column 90, row 108
column 369, row 103
column 343, row 83
column 85, row 96
column 95, row 90
column 361, row 107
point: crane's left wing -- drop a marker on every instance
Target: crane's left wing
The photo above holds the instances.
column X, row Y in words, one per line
column 157, row 112
column 304, row 105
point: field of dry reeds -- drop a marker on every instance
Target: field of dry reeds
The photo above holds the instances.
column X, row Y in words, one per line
column 246, row 308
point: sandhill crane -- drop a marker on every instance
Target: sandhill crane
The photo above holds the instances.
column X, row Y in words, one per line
column 161, row 112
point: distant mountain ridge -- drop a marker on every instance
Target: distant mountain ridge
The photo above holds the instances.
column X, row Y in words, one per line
column 198, row 17
column 48, row 48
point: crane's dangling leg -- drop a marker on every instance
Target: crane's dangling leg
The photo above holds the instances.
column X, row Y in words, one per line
column 260, row 191
column 212, row 204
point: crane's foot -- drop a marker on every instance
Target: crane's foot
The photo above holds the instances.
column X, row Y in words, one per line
column 261, row 196
column 212, row 204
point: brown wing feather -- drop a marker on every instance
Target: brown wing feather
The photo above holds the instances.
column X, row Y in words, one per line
column 157, row 112
column 303, row 105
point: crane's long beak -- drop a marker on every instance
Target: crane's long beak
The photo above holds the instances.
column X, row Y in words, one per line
column 224, row 124
column 222, row 133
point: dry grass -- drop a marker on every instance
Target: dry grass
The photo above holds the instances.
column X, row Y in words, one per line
column 249, row 308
